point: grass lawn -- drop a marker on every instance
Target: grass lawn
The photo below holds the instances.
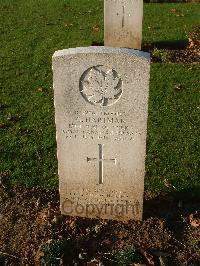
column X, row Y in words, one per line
column 30, row 33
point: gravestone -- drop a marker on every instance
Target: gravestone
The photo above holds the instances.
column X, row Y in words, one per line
column 123, row 23
column 101, row 108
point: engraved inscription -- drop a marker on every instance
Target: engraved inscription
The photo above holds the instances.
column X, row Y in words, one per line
column 101, row 162
column 123, row 16
column 98, row 202
column 99, row 125
column 100, row 86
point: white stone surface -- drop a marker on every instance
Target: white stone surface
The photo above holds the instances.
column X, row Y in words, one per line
column 101, row 108
column 123, row 23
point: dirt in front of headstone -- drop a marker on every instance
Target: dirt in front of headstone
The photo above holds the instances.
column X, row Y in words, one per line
column 180, row 51
column 33, row 232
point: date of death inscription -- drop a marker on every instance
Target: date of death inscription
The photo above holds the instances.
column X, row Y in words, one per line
column 98, row 126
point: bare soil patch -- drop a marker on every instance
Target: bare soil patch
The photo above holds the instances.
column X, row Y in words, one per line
column 30, row 218
column 181, row 51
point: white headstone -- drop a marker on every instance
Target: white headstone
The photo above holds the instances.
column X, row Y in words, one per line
column 101, row 108
column 123, row 23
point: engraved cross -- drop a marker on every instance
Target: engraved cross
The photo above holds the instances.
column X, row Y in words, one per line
column 101, row 162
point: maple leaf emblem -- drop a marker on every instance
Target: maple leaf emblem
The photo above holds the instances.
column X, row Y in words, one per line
column 101, row 87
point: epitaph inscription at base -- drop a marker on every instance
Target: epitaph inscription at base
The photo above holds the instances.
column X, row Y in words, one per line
column 101, row 109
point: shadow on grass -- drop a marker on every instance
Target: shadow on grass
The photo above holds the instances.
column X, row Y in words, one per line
column 169, row 45
column 97, row 44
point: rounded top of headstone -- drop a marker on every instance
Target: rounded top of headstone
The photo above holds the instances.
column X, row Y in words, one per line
column 102, row 50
